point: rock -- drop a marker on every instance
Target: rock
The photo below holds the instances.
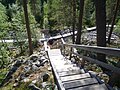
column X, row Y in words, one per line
column 28, row 62
column 44, row 84
column 22, row 76
column 42, row 63
column 42, row 58
column 34, row 67
column 73, row 60
column 12, row 71
column 45, row 77
column 49, row 69
column 16, row 80
column 34, row 81
column 94, row 73
column 33, row 87
column 34, row 57
column 48, row 86
column 26, row 80
column 37, row 63
column 104, row 75
column 27, row 68
column 39, row 59
column 18, row 63
column 15, row 84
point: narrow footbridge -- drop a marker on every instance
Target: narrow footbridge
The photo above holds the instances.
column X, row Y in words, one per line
column 70, row 76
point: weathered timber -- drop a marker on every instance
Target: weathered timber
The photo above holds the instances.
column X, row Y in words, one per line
column 80, row 83
column 91, row 87
column 68, row 73
column 75, row 77
column 70, row 76
column 97, row 49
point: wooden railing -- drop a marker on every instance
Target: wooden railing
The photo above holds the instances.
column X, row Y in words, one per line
column 103, row 50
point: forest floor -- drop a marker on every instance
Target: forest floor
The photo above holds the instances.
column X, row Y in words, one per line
column 30, row 73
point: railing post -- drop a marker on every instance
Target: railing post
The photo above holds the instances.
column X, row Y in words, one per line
column 114, row 77
column 63, row 49
column 63, row 46
column 83, row 60
column 71, row 50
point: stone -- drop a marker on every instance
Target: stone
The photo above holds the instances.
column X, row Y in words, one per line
column 22, row 76
column 34, row 57
column 43, row 58
column 49, row 69
column 37, row 63
column 94, row 73
column 26, row 80
column 73, row 60
column 28, row 62
column 104, row 75
column 45, row 77
column 27, row 68
column 42, row 63
column 15, row 84
column 18, row 63
column 44, row 84
column 34, row 67
column 34, row 81
column 33, row 87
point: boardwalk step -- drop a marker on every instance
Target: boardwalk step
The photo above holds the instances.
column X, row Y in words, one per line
column 91, row 87
column 69, row 73
column 54, row 52
column 69, row 76
column 75, row 77
column 80, row 83
column 68, row 69
column 66, row 66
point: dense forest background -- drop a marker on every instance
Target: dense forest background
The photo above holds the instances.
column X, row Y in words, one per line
column 45, row 14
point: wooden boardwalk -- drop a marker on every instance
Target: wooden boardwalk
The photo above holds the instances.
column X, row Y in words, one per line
column 69, row 76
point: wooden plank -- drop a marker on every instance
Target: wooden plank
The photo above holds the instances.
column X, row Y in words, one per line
column 105, row 65
column 69, row 73
column 58, row 80
column 97, row 49
column 91, row 87
column 75, row 77
column 68, row 69
column 80, row 83
column 54, row 52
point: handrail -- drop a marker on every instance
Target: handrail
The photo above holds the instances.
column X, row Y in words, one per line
column 97, row 49
column 105, row 65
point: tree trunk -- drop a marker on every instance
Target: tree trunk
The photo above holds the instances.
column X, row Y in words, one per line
column 113, row 20
column 74, row 20
column 42, row 14
column 114, row 78
column 101, row 26
column 78, row 39
column 27, row 26
column 50, row 15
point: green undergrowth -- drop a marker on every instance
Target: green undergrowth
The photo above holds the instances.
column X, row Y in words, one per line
column 22, row 86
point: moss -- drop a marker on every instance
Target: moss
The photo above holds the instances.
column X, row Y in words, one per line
column 23, row 86
column 8, row 87
column 3, row 73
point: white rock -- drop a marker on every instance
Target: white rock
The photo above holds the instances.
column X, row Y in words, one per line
column 34, row 81
column 26, row 80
